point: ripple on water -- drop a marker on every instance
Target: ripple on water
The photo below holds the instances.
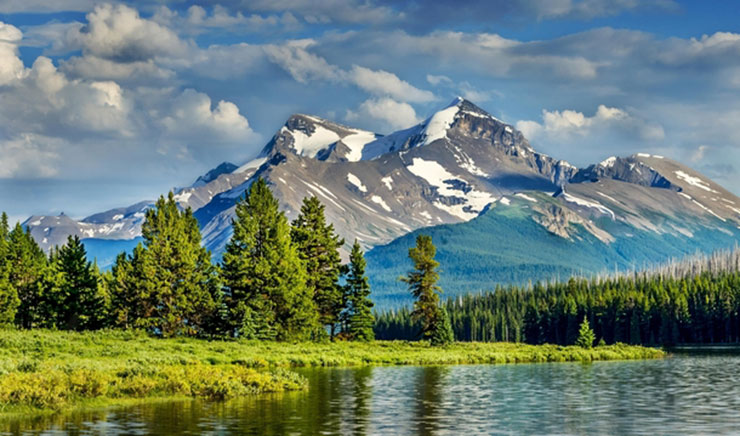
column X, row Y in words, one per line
column 676, row 396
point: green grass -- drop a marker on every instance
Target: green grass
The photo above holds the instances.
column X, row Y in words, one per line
column 47, row 371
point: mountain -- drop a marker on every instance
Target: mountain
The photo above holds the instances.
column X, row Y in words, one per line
column 498, row 210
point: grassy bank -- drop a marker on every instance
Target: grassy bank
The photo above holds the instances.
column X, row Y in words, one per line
column 45, row 370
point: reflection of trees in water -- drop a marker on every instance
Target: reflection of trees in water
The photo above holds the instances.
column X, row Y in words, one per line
column 362, row 393
column 430, row 386
column 338, row 402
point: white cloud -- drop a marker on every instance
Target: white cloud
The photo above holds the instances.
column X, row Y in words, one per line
column 438, row 80
column 11, row 66
column 119, row 33
column 302, row 65
column 55, row 125
column 29, row 155
column 569, row 123
column 93, row 67
column 390, row 113
column 191, row 115
column 383, row 83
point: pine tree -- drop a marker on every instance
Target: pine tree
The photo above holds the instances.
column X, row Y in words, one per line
column 443, row 334
column 8, row 295
column 318, row 247
column 264, row 278
column 125, row 290
column 359, row 316
column 168, row 285
column 586, row 336
column 72, row 295
column 422, row 282
column 26, row 262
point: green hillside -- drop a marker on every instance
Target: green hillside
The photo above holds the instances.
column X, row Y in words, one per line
column 506, row 246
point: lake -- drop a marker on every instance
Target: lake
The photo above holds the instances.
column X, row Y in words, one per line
column 684, row 394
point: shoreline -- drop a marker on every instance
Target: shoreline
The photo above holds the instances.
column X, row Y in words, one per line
column 46, row 372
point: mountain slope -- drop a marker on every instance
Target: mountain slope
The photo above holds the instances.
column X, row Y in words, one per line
column 499, row 210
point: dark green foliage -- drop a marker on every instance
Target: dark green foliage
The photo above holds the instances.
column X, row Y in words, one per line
column 443, row 333
column 422, row 282
column 264, row 278
column 318, row 247
column 586, row 336
column 168, row 285
column 72, row 298
column 8, row 295
column 684, row 302
column 358, row 313
column 26, row 263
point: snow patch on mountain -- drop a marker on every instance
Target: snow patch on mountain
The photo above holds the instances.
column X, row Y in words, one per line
column 694, row 181
column 356, row 143
column 379, row 200
column 526, row 197
column 353, row 179
column 254, row 163
column 589, row 204
column 311, row 145
column 437, row 126
column 388, row 181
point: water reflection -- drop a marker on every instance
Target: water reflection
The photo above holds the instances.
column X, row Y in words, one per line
column 682, row 395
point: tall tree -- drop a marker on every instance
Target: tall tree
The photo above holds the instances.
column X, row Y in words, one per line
column 126, row 292
column 422, row 282
column 359, row 315
column 264, row 278
column 26, row 261
column 318, row 247
column 8, row 295
column 172, row 280
column 72, row 294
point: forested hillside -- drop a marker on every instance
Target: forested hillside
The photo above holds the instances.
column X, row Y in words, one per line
column 696, row 300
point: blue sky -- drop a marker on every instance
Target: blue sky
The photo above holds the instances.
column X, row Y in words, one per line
column 103, row 104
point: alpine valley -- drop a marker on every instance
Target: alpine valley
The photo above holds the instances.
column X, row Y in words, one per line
column 498, row 211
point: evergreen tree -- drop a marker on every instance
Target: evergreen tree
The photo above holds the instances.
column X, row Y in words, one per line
column 125, row 290
column 26, row 263
column 358, row 314
column 586, row 336
column 168, row 285
column 443, row 334
column 422, row 282
column 72, row 295
column 318, row 247
column 8, row 295
column 264, row 278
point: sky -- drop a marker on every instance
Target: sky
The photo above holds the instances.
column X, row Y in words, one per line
column 104, row 104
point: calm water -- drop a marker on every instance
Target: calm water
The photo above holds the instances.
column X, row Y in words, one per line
column 680, row 395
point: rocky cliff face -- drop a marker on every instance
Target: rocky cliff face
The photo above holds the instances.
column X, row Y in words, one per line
column 457, row 164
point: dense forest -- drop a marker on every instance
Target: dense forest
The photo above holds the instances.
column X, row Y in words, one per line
column 278, row 280
column 696, row 300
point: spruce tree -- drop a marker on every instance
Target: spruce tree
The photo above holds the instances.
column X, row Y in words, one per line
column 586, row 336
column 169, row 283
column 359, row 315
column 422, row 282
column 8, row 295
column 264, row 278
column 318, row 247
column 72, row 295
column 126, row 292
column 26, row 263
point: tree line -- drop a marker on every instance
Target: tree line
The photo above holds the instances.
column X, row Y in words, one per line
column 277, row 280
column 696, row 300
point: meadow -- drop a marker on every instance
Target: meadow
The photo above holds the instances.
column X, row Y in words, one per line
column 46, row 371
